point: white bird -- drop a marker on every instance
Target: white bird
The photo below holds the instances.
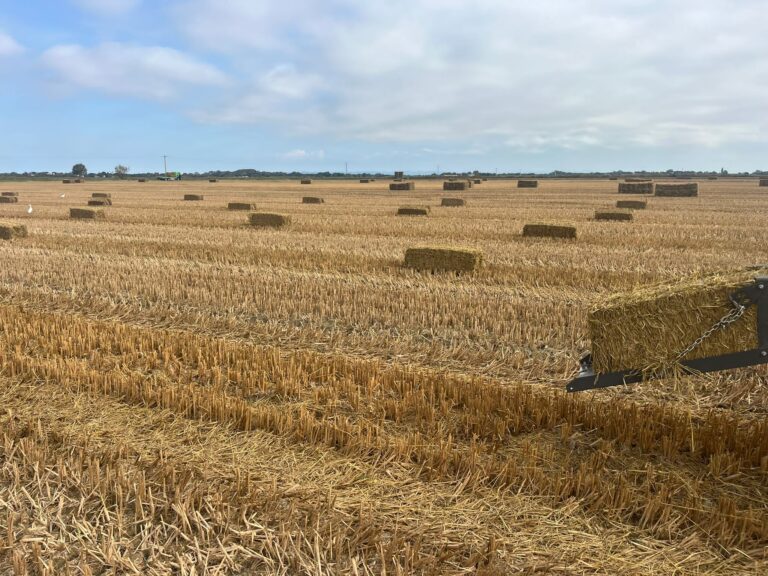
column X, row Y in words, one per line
column 29, row 209
column 62, row 195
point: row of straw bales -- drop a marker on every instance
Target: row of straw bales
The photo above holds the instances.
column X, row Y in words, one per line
column 669, row 190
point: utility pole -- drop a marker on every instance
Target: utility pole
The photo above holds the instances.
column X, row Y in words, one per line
column 165, row 165
column 346, row 168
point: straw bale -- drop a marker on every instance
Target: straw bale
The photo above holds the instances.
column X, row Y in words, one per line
column 66, row 181
column 549, row 231
column 241, row 206
column 413, row 211
column 99, row 202
column 440, row 258
column 527, row 183
column 711, row 177
column 402, row 186
column 635, row 187
column 9, row 194
column 613, row 215
column 193, row 197
column 306, row 181
column 613, row 178
column 312, row 200
column 101, row 195
column 142, row 179
column 9, row 199
column 364, row 180
column 9, row 231
column 485, row 179
column 455, row 185
column 212, row 180
column 632, row 204
column 453, row 202
column 763, row 182
column 646, row 329
column 677, row 190
column 263, row 219
column 476, row 181
column 87, row 213
column 78, row 181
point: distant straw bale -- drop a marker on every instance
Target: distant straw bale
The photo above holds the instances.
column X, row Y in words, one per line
column 450, row 185
column 635, row 187
column 485, row 179
column 193, row 197
column 453, row 202
column 612, row 215
column 763, row 182
column 646, row 329
column 632, row 204
column 99, row 202
column 402, row 186
column 9, row 231
column 306, row 181
column 10, row 194
column 241, row 206
column 66, row 181
column 677, row 190
column 212, row 180
column 267, row 220
column 613, row 178
column 711, row 177
column 413, row 211
column 78, row 181
column 101, row 195
column 476, row 181
column 142, row 179
column 549, row 231
column 87, row 213
column 312, row 200
column 9, row 199
column 437, row 258
column 364, row 180
column 527, row 183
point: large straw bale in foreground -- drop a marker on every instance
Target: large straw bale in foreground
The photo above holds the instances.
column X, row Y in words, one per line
column 635, row 187
column 402, row 186
column 646, row 329
column 632, row 204
column 268, row 220
column 453, row 202
column 434, row 258
column 527, row 183
column 87, row 213
column 10, row 231
column 549, row 231
column 677, row 190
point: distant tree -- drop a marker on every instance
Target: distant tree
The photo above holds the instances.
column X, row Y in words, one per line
column 79, row 170
column 121, row 171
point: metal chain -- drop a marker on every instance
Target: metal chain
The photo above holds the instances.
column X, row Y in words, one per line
column 731, row 317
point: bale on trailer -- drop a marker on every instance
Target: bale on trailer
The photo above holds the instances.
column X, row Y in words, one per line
column 614, row 216
column 648, row 328
column 312, row 200
column 9, row 199
column 263, row 219
column 9, row 194
column 677, row 190
column 87, row 213
column 101, row 195
column 549, row 231
column 453, row 202
column 241, row 206
column 10, row 231
column 434, row 258
column 99, row 202
column 527, row 183
column 632, row 204
column 450, row 185
column 193, row 197
column 635, row 187
column 763, row 182
column 402, row 186
column 413, row 211
column 306, row 181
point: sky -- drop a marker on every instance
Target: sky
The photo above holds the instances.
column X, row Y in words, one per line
column 384, row 85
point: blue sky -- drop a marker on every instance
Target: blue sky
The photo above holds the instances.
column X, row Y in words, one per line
column 383, row 85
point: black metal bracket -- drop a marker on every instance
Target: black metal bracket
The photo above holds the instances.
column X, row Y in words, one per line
column 753, row 294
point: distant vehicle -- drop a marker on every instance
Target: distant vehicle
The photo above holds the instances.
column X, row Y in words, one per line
column 170, row 176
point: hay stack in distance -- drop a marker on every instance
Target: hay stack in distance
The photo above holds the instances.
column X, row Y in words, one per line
column 632, row 204
column 613, row 215
column 306, row 181
column 413, row 211
column 402, row 186
column 763, row 182
column 677, row 190
column 142, row 179
column 193, row 197
column 453, row 202
column 9, row 199
column 212, row 180
column 241, row 206
column 549, row 231
column 101, row 195
column 78, row 181
column 476, row 181
column 527, row 183
column 99, row 202
column 438, row 258
column 364, row 181
column 10, row 231
column 635, row 187
column 267, row 220
column 87, row 213
column 312, row 200
column 451, row 185
column 66, row 181
column 9, row 194
column 646, row 329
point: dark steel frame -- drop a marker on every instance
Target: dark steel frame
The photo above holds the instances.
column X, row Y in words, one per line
column 752, row 294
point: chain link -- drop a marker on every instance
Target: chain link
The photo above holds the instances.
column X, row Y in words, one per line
column 731, row 317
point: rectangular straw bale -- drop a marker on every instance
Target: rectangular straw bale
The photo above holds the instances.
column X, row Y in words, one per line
column 413, row 211
column 312, row 200
column 142, row 179
column 99, row 202
column 434, row 258
column 212, row 180
column 101, row 195
column 763, row 182
column 449, row 185
column 635, row 187
column 9, row 231
column 306, row 181
column 402, row 186
column 632, row 204
column 476, row 181
column 647, row 328
column 10, row 194
column 9, row 199
column 677, row 190
column 453, row 202
column 86, row 213
column 66, row 181
column 364, row 181
column 193, row 197
column 615, row 216
column 711, row 177
column 263, row 219
column 241, row 206
column 549, row 231
column 484, row 179
column 527, row 183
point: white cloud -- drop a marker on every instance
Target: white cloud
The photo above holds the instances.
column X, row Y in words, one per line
column 152, row 72
column 300, row 154
column 108, row 7
column 9, row 46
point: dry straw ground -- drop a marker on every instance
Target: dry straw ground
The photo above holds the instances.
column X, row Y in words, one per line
column 184, row 393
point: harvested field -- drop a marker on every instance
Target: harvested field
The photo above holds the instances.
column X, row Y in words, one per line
column 453, row 202
column 413, row 211
column 183, row 394
column 635, row 187
column 618, row 216
column 632, row 204
column 549, row 231
column 677, row 190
